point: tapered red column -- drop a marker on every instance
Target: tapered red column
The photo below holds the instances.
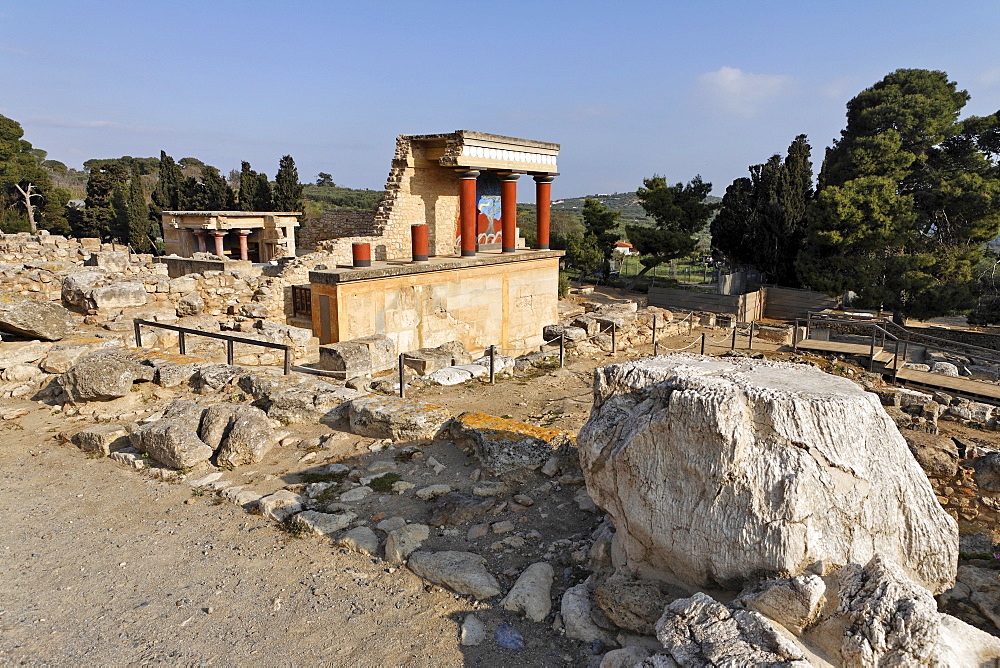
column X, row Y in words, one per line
column 200, row 239
column 219, row 236
column 508, row 212
column 543, row 201
column 244, row 250
column 468, row 210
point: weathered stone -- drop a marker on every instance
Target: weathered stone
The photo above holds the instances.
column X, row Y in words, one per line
column 103, row 374
column 358, row 357
column 784, row 465
column 77, row 287
column 324, row 524
column 401, row 542
column 937, row 455
column 191, row 304
column 633, row 604
column 240, row 434
column 280, row 505
column 186, row 412
column 398, row 419
column 359, row 539
column 988, row 471
column 793, row 602
column 626, row 657
column 25, row 352
column 34, row 319
column 576, row 609
column 463, row 572
column 432, row 492
column 297, row 400
column 945, row 369
column 355, row 494
column 473, row 631
column 456, row 509
column 453, row 375
column 172, row 374
column 428, row 360
column 115, row 262
column 531, row 593
column 20, row 372
column 171, row 443
column 102, row 438
column 700, row 631
column 506, row 445
column 213, row 376
column 275, row 332
column 117, row 295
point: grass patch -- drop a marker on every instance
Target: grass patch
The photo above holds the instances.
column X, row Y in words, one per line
column 323, row 477
column 384, row 482
column 197, row 492
column 293, row 527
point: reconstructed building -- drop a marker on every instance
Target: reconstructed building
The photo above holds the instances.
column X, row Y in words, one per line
column 257, row 236
column 441, row 257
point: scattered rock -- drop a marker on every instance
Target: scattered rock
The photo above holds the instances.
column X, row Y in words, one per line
column 213, row 376
column 473, row 631
column 793, row 602
column 432, row 492
column 988, row 471
column 34, row 319
column 463, row 572
column 506, row 445
column 102, row 375
column 102, row 438
column 172, row 443
column 457, row 509
column 576, row 617
column 508, row 637
column 359, row 539
column 945, row 369
column 632, row 604
column 400, row 543
column 191, row 304
column 398, row 419
column 241, row 434
column 937, row 455
column 324, row 524
column 531, row 593
column 280, row 505
column 356, row 494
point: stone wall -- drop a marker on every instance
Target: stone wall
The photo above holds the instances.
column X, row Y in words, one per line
column 335, row 224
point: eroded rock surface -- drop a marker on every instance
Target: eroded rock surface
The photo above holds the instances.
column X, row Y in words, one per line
column 785, row 467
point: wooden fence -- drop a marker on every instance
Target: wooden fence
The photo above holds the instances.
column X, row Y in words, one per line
column 772, row 302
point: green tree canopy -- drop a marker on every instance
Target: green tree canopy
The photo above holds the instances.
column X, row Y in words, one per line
column 679, row 211
column 287, row 194
column 601, row 223
column 325, row 179
column 908, row 196
column 255, row 190
column 762, row 218
column 24, row 183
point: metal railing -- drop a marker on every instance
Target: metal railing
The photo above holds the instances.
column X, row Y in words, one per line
column 228, row 338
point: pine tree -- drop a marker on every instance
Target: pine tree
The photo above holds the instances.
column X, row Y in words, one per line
column 255, row 190
column 167, row 195
column 908, row 196
column 601, row 223
column 287, row 189
column 218, row 195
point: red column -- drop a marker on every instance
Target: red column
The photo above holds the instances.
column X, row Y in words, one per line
column 200, row 237
column 468, row 210
column 543, row 199
column 418, row 242
column 219, row 236
column 361, row 254
column 508, row 211
column 244, row 251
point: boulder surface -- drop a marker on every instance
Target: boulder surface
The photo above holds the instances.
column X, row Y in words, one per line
column 717, row 471
column 34, row 319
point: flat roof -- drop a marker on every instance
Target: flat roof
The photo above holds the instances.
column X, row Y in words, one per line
column 232, row 214
column 387, row 268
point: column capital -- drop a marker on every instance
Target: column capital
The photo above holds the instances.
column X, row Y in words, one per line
column 544, row 178
column 219, row 233
column 244, row 233
column 467, row 173
column 508, row 176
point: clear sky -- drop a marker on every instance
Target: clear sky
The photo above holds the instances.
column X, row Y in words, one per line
column 629, row 88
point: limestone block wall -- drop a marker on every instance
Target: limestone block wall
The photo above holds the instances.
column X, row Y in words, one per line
column 505, row 304
column 335, row 224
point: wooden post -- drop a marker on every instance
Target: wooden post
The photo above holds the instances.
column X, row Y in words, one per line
column 871, row 351
column 402, row 382
column 795, row 336
column 562, row 350
column 654, row 332
column 138, row 335
column 181, row 348
column 733, row 346
column 288, row 360
column 614, row 339
column 229, row 351
column 703, row 343
column 750, row 343
column 493, row 357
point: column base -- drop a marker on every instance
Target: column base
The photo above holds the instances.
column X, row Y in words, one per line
column 507, row 250
column 420, row 258
column 467, row 253
column 541, row 247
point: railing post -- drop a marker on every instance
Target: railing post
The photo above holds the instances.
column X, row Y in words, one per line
column 703, row 343
column 690, row 322
column 733, row 345
column 181, row 348
column 795, row 336
column 288, row 360
column 229, row 351
column 402, row 383
column 562, row 350
column 493, row 363
column 138, row 335
column 871, row 354
column 809, row 320
column 750, row 342
column 654, row 333
column 614, row 339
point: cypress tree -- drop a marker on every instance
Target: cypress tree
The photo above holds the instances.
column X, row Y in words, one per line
column 287, row 189
column 168, row 194
column 218, row 195
column 262, row 194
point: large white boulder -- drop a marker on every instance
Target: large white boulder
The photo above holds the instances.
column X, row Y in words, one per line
column 720, row 471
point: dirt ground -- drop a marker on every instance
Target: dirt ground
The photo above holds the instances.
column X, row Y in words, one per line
column 102, row 564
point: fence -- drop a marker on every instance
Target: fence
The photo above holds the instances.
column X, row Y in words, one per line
column 228, row 338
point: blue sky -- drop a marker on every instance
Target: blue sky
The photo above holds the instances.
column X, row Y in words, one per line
column 628, row 88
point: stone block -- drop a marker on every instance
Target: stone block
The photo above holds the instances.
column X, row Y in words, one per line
column 117, row 295
column 34, row 319
column 398, row 419
column 102, row 438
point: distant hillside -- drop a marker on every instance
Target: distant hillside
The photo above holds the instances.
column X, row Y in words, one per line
column 632, row 212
